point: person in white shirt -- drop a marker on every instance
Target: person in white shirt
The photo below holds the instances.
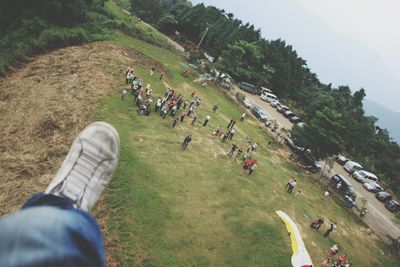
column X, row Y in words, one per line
column 206, row 120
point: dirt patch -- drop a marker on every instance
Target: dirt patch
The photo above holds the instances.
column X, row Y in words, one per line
column 45, row 104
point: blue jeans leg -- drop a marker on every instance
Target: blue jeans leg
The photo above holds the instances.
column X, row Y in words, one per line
column 48, row 231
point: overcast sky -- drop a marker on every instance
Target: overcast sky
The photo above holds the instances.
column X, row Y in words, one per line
column 345, row 42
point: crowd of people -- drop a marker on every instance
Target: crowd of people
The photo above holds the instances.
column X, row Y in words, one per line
column 174, row 105
column 340, row 261
column 180, row 110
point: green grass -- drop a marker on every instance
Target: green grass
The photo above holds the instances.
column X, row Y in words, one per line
column 168, row 207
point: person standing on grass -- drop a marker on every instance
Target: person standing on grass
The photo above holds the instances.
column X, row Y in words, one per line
column 164, row 111
column 229, row 125
column 253, row 167
column 332, row 227
column 161, row 75
column 289, row 182
column 158, row 104
column 239, row 152
column 207, row 119
column 123, row 93
column 152, row 70
column 254, row 147
column 224, row 137
column 231, row 133
column 196, row 116
column 215, row 107
column 127, row 75
column 183, row 114
column 175, row 121
column 242, row 117
column 233, row 149
column 233, row 124
column 186, row 141
column 247, row 164
column 291, row 186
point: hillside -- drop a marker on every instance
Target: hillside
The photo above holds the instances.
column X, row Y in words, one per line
column 387, row 118
column 165, row 206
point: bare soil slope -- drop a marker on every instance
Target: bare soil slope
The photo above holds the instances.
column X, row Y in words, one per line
column 44, row 105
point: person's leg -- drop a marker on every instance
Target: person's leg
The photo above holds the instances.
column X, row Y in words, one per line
column 54, row 229
column 50, row 236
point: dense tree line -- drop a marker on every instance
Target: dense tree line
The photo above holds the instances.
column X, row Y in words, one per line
column 62, row 13
column 335, row 118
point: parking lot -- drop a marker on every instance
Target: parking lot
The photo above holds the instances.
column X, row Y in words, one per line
column 378, row 218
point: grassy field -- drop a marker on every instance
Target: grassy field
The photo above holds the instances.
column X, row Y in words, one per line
column 169, row 207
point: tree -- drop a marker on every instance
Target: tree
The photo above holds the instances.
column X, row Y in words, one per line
column 167, row 23
column 148, row 10
column 322, row 135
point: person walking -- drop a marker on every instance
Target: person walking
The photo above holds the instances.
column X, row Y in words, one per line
column 207, row 119
column 242, row 117
column 161, row 75
column 332, row 227
column 233, row 149
column 152, row 70
column 186, row 141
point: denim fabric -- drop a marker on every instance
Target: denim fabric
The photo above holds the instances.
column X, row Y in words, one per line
column 49, row 231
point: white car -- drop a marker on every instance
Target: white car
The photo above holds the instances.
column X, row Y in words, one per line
column 373, row 187
column 247, row 103
column 275, row 103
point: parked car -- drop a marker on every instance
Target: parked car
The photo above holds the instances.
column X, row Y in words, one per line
column 343, row 186
column 373, row 187
column 259, row 113
column 288, row 114
column 392, row 205
column 248, row 87
column 265, row 90
column 295, row 119
column 383, row 196
column 341, row 159
column 289, row 142
column 275, row 103
column 364, row 176
column 351, row 166
column 308, row 160
column 281, row 108
column 247, row 103
column 268, row 97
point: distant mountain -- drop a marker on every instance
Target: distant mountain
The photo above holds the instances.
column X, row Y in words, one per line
column 388, row 118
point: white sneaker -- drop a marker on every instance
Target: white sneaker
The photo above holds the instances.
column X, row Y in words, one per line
column 88, row 167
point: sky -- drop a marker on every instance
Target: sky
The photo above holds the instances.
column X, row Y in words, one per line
column 345, row 42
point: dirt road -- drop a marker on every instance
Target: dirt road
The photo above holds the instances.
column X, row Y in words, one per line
column 378, row 218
